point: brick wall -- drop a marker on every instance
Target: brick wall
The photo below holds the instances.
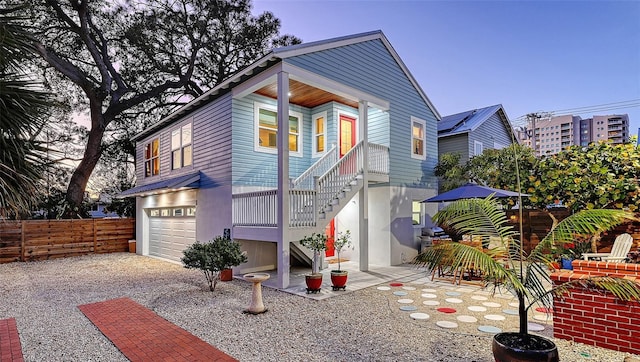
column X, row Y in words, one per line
column 596, row 317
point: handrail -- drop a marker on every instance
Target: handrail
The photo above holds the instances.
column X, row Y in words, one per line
column 305, row 180
column 332, row 182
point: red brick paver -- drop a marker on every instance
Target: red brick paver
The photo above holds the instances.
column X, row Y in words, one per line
column 10, row 347
column 142, row 335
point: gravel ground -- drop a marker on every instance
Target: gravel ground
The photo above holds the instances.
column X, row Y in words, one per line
column 363, row 325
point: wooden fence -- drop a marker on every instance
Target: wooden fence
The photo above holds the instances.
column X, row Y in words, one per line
column 30, row 240
column 537, row 224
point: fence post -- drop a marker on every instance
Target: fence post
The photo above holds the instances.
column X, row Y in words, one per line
column 21, row 240
column 95, row 237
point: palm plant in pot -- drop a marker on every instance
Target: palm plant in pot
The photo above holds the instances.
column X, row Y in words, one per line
column 505, row 264
column 316, row 243
column 339, row 276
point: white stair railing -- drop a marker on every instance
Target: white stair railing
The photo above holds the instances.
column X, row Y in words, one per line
column 322, row 165
column 332, row 183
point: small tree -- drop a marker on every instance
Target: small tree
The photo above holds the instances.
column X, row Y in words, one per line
column 343, row 241
column 316, row 243
column 212, row 257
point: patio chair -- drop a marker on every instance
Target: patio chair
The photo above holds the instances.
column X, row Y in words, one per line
column 619, row 251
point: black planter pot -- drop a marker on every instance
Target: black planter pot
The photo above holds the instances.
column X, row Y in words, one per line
column 516, row 347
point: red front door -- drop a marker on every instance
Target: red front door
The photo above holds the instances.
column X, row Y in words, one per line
column 330, row 231
column 347, row 134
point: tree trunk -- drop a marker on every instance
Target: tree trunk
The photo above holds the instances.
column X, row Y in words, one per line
column 92, row 153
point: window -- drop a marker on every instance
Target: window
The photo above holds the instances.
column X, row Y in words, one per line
column 181, row 149
column 319, row 134
column 152, row 158
column 477, row 148
column 178, row 212
column 418, row 139
column 416, row 214
column 267, row 126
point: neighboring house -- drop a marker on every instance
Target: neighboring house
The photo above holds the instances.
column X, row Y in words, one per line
column 471, row 132
column 329, row 136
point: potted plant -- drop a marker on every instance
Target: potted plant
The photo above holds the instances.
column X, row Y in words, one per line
column 525, row 276
column 213, row 257
column 316, row 243
column 339, row 276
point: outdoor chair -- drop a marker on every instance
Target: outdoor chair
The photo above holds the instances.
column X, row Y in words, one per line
column 621, row 247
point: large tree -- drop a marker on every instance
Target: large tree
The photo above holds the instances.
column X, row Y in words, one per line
column 129, row 60
column 24, row 107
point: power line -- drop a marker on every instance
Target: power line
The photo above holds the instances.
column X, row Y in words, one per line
column 589, row 109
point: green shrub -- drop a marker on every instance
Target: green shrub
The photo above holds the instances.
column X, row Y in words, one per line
column 212, row 257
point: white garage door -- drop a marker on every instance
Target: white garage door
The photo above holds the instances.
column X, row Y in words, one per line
column 170, row 232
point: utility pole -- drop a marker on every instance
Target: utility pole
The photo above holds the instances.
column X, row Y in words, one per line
column 532, row 117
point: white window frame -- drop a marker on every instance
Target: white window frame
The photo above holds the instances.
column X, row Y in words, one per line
column 148, row 162
column 256, row 134
column 314, row 141
column 181, row 146
column 421, row 213
column 423, row 124
column 477, row 144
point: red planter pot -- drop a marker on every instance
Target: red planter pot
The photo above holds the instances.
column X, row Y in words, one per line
column 338, row 279
column 226, row 275
column 314, row 281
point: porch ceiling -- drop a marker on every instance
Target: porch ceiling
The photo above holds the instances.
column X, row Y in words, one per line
column 305, row 95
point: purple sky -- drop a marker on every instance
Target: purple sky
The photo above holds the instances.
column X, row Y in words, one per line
column 528, row 56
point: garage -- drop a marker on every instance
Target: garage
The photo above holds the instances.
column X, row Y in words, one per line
column 171, row 230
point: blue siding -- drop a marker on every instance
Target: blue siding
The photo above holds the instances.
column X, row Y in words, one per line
column 211, row 141
column 455, row 144
column 489, row 132
column 368, row 66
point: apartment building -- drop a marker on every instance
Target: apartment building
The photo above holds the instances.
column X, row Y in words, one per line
column 551, row 135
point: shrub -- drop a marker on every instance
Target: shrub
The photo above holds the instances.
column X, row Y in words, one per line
column 212, row 257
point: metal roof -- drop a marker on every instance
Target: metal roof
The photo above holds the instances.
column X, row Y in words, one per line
column 191, row 180
column 466, row 121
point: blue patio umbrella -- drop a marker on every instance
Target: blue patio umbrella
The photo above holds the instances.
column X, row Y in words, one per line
column 471, row 191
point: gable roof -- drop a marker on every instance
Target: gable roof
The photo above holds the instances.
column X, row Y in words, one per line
column 278, row 54
column 468, row 121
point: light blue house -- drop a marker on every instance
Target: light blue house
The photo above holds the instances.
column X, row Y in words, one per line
column 471, row 132
column 329, row 136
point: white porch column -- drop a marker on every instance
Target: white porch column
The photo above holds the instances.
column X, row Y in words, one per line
column 283, row 180
column 364, row 192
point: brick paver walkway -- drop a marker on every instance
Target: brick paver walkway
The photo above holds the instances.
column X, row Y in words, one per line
column 10, row 347
column 142, row 335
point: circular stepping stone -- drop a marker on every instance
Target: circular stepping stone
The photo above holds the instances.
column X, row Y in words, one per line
column 447, row 324
column 408, row 308
column 446, row 310
column 408, row 288
column 489, row 329
column 429, row 295
column 494, row 317
column 431, row 302
column 541, row 317
column 535, row 327
column 467, row 319
column 514, row 304
column 492, row 304
column 419, row 316
column 400, row 293
column 477, row 308
column 384, row 288
column 510, row 311
column 478, row 297
column 405, row 301
column 429, row 290
column 453, row 300
column 544, row 310
column 453, row 294
column 396, row 284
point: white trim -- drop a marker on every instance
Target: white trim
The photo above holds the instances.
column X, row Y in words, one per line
column 422, row 214
column 256, row 132
column 477, row 144
column 314, row 135
column 350, row 115
column 422, row 123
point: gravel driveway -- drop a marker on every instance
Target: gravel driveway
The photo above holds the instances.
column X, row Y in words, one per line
column 363, row 325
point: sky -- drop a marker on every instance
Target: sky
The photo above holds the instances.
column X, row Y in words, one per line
column 529, row 56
